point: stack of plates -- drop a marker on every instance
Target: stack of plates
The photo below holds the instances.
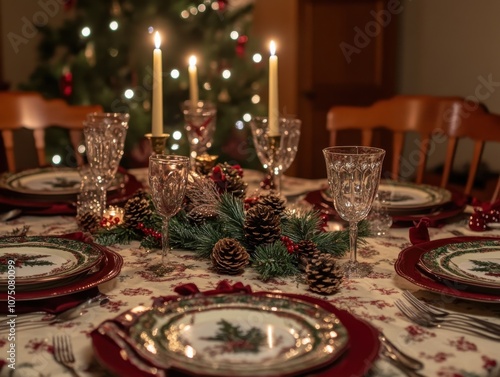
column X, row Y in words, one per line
column 401, row 198
column 45, row 267
column 464, row 267
column 48, row 184
column 260, row 334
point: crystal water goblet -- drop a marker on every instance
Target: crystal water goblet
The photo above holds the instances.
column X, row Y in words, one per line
column 276, row 153
column 168, row 176
column 104, row 142
column 199, row 123
column 353, row 175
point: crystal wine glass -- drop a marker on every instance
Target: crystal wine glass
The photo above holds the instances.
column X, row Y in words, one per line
column 105, row 140
column 353, row 175
column 276, row 154
column 168, row 176
column 199, row 122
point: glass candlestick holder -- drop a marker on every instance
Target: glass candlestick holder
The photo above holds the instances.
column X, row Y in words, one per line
column 276, row 153
column 199, row 123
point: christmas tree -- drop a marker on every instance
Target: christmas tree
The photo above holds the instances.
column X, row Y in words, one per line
column 102, row 54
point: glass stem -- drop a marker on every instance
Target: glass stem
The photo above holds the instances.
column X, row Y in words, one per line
column 102, row 199
column 353, row 238
column 164, row 242
column 277, row 180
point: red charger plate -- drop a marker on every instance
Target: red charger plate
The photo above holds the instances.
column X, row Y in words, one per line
column 363, row 348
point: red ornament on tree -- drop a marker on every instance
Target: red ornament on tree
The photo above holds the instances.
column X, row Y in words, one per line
column 66, row 83
column 222, row 5
column 241, row 44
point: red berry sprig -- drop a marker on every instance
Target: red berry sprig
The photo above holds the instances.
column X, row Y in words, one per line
column 291, row 247
column 149, row 231
column 109, row 221
column 479, row 220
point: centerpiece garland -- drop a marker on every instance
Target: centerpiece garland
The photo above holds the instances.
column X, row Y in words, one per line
column 219, row 223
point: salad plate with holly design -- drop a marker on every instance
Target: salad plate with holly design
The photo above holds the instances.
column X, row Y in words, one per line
column 38, row 260
column 239, row 335
column 475, row 263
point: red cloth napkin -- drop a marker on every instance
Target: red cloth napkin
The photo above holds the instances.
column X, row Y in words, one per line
column 419, row 233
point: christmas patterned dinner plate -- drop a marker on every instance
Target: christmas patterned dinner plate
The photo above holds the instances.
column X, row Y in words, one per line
column 407, row 267
column 475, row 263
column 239, row 335
column 39, row 259
column 62, row 183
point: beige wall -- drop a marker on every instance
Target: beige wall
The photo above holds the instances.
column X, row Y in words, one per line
column 451, row 47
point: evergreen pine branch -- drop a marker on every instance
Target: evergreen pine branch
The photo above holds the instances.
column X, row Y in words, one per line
column 337, row 243
column 117, row 235
column 272, row 260
column 206, row 237
column 232, row 214
column 302, row 226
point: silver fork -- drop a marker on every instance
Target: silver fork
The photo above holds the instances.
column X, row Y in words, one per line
column 425, row 320
column 63, row 353
column 440, row 315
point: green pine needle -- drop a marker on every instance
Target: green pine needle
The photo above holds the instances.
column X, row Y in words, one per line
column 273, row 260
column 232, row 214
column 301, row 227
column 116, row 235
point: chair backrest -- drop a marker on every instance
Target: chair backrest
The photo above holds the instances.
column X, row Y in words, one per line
column 436, row 120
column 31, row 111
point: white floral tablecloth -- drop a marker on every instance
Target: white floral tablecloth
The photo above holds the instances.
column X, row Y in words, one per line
column 444, row 352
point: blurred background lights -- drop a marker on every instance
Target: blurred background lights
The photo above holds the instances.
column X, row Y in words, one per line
column 226, row 73
column 184, row 14
column 234, row 35
column 81, row 149
column 174, row 147
column 202, row 8
column 247, row 117
column 174, row 73
column 257, row 58
column 113, row 25
column 255, row 99
column 86, row 31
column 239, row 125
column 56, row 159
column 177, row 135
column 113, row 52
column 215, row 5
column 129, row 93
column 193, row 11
column 151, row 29
column 207, row 86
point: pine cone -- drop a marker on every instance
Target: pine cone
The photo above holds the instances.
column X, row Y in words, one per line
column 306, row 250
column 200, row 215
column 229, row 256
column 262, row 225
column 229, row 179
column 136, row 209
column 323, row 275
column 88, row 222
column 273, row 201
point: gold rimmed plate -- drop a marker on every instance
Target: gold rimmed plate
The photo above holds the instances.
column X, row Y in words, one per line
column 244, row 335
column 475, row 263
column 39, row 260
column 48, row 184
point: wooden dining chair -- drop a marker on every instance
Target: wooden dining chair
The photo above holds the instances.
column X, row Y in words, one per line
column 435, row 120
column 29, row 110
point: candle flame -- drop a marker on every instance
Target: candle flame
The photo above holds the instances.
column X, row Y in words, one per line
column 192, row 60
column 272, row 48
column 157, row 40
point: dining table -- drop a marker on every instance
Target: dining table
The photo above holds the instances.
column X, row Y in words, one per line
column 371, row 300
